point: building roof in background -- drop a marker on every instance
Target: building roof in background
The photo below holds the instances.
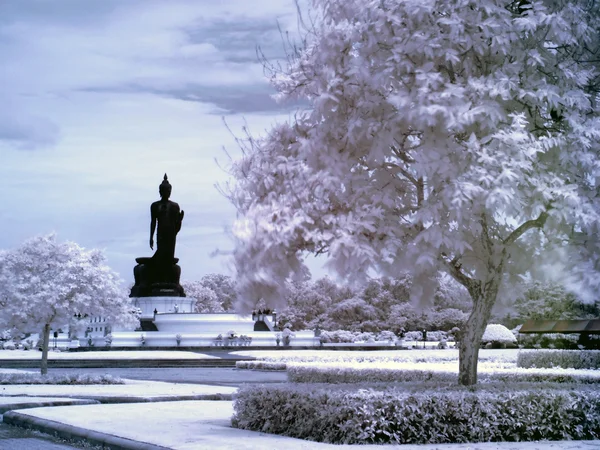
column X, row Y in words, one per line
column 591, row 326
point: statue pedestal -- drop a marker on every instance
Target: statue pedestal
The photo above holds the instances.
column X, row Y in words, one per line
column 156, row 278
column 162, row 304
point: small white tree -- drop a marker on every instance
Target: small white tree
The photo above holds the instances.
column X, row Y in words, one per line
column 443, row 135
column 46, row 283
column 224, row 288
column 206, row 299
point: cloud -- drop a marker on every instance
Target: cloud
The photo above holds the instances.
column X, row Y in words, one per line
column 227, row 99
column 190, row 50
column 240, row 39
column 23, row 130
column 119, row 92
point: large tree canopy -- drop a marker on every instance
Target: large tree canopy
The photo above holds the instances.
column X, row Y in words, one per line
column 461, row 136
column 46, row 283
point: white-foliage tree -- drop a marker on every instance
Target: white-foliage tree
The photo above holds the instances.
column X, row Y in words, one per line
column 550, row 301
column 224, row 288
column 307, row 304
column 45, row 283
column 452, row 135
column 206, row 299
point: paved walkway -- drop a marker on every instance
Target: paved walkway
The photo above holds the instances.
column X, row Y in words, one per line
column 162, row 420
column 151, row 415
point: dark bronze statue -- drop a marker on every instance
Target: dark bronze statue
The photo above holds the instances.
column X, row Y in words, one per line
column 159, row 275
column 168, row 216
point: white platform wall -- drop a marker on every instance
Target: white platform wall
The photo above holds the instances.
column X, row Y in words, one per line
column 198, row 330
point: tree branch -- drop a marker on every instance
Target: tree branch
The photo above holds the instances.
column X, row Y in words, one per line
column 518, row 232
column 420, row 192
column 454, row 267
column 406, row 174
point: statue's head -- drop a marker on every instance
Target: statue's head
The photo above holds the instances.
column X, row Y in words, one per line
column 165, row 188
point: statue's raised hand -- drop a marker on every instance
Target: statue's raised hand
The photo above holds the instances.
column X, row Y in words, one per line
column 181, row 215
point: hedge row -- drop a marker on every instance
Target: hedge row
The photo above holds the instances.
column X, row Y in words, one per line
column 362, row 373
column 280, row 361
column 348, row 416
column 567, row 359
column 261, row 365
column 34, row 378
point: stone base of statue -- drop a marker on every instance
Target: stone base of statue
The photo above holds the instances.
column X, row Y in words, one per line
column 156, row 278
column 151, row 306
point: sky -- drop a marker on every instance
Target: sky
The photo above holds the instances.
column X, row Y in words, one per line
column 100, row 98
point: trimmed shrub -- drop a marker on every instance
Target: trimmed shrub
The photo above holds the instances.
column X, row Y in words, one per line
column 365, row 416
column 432, row 336
column 413, row 336
column 497, row 334
column 386, row 335
column 261, row 365
column 398, row 372
column 567, row 359
column 337, row 336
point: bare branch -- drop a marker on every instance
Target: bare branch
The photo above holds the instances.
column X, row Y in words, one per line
column 404, row 172
column 420, row 192
column 402, row 154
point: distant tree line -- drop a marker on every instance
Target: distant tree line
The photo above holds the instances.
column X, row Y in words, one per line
column 385, row 304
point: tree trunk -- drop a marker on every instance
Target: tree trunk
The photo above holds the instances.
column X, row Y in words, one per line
column 45, row 344
column 470, row 337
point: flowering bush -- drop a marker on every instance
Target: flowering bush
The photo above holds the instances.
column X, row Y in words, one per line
column 551, row 340
column 9, row 345
column 386, row 336
column 346, row 415
column 344, row 336
column 567, row 359
column 437, row 336
column 337, row 336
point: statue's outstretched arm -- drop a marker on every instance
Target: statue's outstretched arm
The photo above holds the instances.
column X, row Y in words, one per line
column 181, row 214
